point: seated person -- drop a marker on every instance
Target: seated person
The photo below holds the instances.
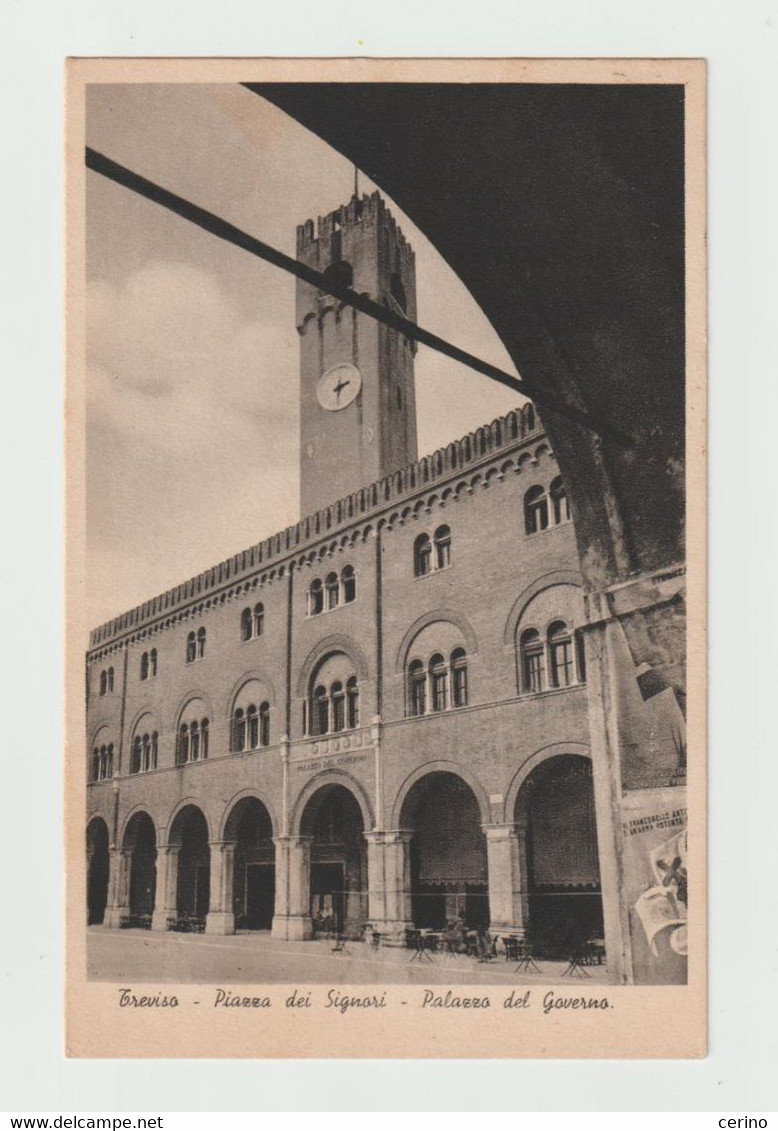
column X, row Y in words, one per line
column 455, row 936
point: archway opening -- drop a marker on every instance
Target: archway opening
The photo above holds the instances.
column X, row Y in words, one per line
column 97, row 868
column 333, row 819
column 140, row 844
column 254, row 869
column 556, row 806
column 449, row 878
column 190, row 832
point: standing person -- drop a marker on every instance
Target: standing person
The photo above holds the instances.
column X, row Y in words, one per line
column 483, row 943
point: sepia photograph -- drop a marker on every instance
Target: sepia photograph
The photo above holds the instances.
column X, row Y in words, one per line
column 386, row 616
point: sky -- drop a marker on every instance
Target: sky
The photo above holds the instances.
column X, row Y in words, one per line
column 192, row 379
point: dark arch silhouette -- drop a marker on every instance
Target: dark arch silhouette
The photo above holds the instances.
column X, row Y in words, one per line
column 189, row 831
column 98, row 866
column 558, row 261
column 555, row 810
column 449, row 877
column 333, row 819
column 250, row 828
column 140, row 845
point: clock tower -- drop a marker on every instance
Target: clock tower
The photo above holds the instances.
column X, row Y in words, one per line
column 357, row 396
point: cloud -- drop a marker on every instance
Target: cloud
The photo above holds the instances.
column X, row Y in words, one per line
column 192, row 422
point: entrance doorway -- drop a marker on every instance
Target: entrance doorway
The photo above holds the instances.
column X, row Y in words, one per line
column 328, row 896
column 449, row 879
column 97, row 868
column 140, row 844
column 556, row 805
column 338, row 893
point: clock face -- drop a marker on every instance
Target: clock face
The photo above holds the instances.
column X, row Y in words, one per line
column 339, row 386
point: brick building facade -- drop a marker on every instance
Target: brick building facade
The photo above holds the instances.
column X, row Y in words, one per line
column 380, row 713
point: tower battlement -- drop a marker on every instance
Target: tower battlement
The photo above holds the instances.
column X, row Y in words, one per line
column 369, row 209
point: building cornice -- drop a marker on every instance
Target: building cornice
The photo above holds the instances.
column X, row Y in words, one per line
column 432, row 479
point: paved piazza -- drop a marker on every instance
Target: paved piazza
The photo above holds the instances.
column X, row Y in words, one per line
column 255, row 958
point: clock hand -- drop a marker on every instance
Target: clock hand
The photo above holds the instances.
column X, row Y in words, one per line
column 339, row 387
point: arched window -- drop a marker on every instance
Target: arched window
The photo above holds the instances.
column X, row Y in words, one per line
column 338, row 706
column 245, row 625
column 340, row 274
column 531, row 660
column 154, row 749
column 422, row 556
column 459, row 677
column 259, row 619
column 561, row 655
column 144, row 666
column 352, row 703
column 264, row 724
column 252, row 727
column 535, row 510
column 146, row 757
column 332, row 695
column 194, row 742
column 102, row 762
column 182, row 753
column 349, row 583
column 321, row 713
column 110, row 679
column 438, row 682
column 135, row 759
column 315, row 598
column 417, row 688
column 238, row 731
column 153, row 662
column 103, row 682
column 528, row 417
column 333, row 590
column 442, row 547
column 191, row 648
column 200, row 643
column 560, row 504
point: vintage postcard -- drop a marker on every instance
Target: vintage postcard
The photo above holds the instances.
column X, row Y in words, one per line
column 386, row 542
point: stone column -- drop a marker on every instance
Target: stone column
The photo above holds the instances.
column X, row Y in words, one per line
column 506, row 853
column 292, row 918
column 166, row 890
column 606, row 739
column 118, row 905
column 220, row 919
column 389, row 883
